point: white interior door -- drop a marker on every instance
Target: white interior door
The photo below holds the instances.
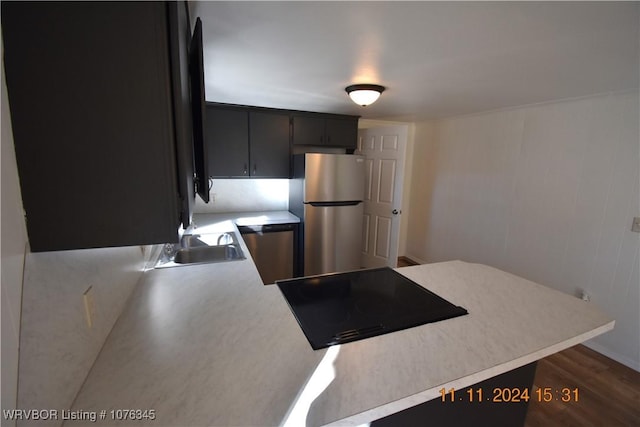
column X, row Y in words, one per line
column 384, row 150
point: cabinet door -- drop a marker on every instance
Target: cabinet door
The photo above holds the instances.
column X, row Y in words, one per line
column 342, row 133
column 269, row 145
column 227, row 139
column 180, row 38
column 308, row 130
column 89, row 88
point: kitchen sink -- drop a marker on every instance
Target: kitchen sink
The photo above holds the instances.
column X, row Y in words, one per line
column 201, row 249
column 189, row 241
column 208, row 254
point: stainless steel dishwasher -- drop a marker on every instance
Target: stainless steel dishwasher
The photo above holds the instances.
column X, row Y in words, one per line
column 271, row 247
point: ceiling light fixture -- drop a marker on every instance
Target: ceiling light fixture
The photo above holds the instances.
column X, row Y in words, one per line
column 364, row 94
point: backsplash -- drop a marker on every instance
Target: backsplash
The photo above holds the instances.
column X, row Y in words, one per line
column 57, row 348
column 245, row 195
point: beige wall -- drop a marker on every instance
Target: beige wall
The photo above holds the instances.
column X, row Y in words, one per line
column 547, row 192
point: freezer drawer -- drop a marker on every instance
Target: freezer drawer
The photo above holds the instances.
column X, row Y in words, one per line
column 271, row 247
column 332, row 238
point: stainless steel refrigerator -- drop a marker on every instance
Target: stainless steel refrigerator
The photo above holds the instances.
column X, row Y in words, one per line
column 326, row 192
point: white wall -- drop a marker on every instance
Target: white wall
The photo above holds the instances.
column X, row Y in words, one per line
column 547, row 192
column 43, row 323
column 57, row 348
column 12, row 249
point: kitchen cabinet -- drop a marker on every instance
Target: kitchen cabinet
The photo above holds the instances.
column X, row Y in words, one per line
column 246, row 142
column 100, row 110
column 227, row 139
column 324, row 130
column 269, row 144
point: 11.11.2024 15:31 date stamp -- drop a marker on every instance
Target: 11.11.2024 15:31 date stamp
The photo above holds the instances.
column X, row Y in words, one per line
column 510, row 395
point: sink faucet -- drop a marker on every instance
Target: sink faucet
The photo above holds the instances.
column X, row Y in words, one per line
column 227, row 239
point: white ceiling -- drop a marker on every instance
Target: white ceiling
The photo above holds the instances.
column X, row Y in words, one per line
column 437, row 59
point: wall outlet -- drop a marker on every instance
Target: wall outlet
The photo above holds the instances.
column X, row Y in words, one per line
column 636, row 224
column 89, row 306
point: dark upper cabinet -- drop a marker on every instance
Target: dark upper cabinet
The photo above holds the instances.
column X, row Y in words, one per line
column 242, row 142
column 245, row 141
column 308, row 130
column 269, row 144
column 322, row 130
column 227, row 139
column 179, row 32
column 342, row 132
column 100, row 111
column 196, row 72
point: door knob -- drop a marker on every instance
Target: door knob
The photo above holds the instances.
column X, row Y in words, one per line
column 395, row 212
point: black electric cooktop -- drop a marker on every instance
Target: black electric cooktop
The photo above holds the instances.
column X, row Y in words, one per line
column 343, row 307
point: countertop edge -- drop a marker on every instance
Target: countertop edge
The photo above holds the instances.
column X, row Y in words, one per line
column 432, row 393
column 247, row 218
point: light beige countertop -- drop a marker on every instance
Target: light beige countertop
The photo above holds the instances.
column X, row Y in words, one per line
column 247, row 218
column 210, row 345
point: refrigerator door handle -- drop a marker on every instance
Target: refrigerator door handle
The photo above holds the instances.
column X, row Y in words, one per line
column 328, row 204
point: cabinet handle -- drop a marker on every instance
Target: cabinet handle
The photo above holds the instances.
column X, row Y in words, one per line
column 244, row 172
column 254, row 169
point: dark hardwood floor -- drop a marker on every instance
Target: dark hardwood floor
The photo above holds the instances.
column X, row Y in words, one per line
column 403, row 261
column 608, row 392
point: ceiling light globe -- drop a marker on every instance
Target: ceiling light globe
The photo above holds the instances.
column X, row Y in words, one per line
column 364, row 94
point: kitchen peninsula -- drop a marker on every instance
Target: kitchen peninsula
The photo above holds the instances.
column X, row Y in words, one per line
column 211, row 345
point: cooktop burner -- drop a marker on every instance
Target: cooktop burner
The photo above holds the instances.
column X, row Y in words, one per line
column 343, row 307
